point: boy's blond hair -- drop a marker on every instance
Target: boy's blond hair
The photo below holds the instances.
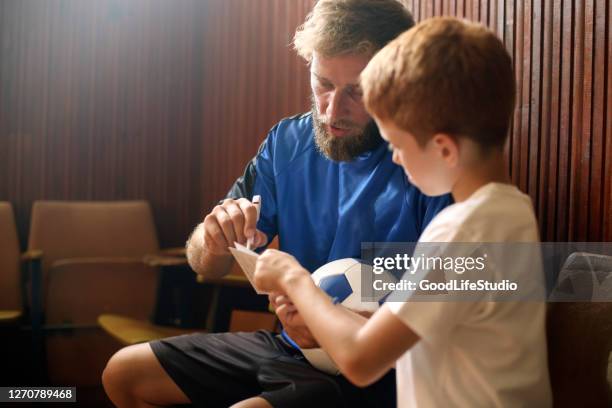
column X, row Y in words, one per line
column 443, row 76
column 340, row 27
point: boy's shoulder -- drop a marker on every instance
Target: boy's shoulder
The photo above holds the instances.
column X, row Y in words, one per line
column 494, row 213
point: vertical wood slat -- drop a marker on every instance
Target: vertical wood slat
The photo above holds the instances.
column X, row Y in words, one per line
column 536, row 154
column 607, row 221
column 519, row 64
column 576, row 151
column 597, row 177
column 555, row 125
column 550, row 109
column 563, row 166
column 88, row 115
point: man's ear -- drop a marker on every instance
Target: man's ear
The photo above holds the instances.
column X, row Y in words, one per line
column 447, row 148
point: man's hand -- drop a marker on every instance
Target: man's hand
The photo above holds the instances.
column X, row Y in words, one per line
column 292, row 321
column 232, row 221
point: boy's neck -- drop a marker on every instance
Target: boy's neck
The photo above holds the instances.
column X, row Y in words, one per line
column 491, row 169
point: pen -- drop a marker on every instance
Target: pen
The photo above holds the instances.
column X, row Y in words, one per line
column 257, row 202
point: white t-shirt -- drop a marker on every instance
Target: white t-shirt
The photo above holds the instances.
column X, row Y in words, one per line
column 477, row 354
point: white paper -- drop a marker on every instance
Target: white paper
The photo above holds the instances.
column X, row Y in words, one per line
column 247, row 260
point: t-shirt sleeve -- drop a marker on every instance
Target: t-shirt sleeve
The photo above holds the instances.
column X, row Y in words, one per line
column 432, row 319
column 258, row 179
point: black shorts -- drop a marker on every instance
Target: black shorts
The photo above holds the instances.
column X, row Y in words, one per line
column 218, row 370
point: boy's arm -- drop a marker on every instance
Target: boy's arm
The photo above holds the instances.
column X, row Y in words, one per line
column 363, row 349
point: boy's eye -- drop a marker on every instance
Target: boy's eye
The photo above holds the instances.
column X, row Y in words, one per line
column 390, row 147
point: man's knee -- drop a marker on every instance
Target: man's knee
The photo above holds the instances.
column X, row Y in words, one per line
column 133, row 377
column 125, row 369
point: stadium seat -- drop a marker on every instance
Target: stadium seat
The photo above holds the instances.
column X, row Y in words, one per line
column 580, row 332
column 97, row 258
column 11, row 290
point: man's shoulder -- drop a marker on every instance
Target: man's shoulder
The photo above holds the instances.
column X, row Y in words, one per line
column 292, row 137
column 304, row 118
column 297, row 128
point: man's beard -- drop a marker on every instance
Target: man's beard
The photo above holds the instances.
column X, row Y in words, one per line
column 344, row 148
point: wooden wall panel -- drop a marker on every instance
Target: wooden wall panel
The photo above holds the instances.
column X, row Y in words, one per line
column 253, row 79
column 559, row 147
column 102, row 100
column 167, row 101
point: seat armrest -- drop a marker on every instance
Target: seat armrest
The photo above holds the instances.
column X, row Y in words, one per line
column 95, row 260
column 178, row 251
column 161, row 260
column 31, row 255
column 227, row 280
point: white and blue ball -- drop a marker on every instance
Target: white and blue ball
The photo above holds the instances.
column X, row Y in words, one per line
column 341, row 280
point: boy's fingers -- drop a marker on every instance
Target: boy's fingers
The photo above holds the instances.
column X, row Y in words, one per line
column 291, row 308
column 281, row 312
column 272, row 299
column 283, row 300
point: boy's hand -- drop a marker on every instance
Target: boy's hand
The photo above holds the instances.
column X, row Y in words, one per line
column 277, row 300
column 295, row 327
column 273, row 267
column 292, row 321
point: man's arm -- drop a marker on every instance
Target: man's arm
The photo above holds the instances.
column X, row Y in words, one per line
column 201, row 261
column 235, row 219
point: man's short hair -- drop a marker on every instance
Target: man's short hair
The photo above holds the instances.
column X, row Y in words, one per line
column 443, row 76
column 341, row 27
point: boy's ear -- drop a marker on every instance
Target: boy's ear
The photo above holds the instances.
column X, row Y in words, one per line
column 447, row 148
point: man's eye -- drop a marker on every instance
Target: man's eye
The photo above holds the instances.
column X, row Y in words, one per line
column 357, row 93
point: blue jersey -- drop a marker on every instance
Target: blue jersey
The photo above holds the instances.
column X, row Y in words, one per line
column 323, row 210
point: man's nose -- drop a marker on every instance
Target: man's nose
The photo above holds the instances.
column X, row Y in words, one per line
column 335, row 106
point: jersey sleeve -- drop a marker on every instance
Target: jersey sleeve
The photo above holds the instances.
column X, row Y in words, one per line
column 258, row 179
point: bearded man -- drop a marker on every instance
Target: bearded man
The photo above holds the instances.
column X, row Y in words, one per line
column 327, row 184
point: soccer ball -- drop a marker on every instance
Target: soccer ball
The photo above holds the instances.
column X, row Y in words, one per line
column 341, row 280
